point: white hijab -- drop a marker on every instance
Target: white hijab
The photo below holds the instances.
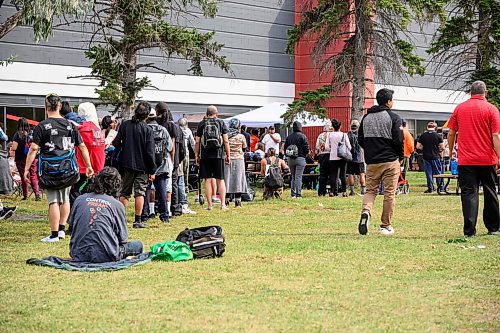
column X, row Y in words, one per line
column 88, row 111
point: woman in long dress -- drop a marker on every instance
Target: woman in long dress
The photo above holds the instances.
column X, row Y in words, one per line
column 234, row 172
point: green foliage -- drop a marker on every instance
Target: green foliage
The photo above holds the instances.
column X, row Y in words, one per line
column 362, row 33
column 8, row 61
column 40, row 14
column 467, row 45
column 143, row 26
column 311, row 101
column 411, row 62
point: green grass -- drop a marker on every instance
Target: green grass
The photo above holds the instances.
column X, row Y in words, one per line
column 290, row 266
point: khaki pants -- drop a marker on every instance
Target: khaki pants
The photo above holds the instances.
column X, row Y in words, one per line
column 388, row 173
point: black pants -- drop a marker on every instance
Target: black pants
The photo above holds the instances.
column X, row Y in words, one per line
column 324, row 172
column 469, row 178
column 175, row 206
column 337, row 169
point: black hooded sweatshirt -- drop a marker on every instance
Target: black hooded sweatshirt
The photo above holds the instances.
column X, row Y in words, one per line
column 299, row 139
column 381, row 135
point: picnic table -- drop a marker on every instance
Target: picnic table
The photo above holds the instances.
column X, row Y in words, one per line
column 448, row 178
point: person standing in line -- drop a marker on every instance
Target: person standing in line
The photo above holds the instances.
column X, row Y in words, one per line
column 381, row 136
column 356, row 167
column 409, row 145
column 163, row 146
column 478, row 123
column 337, row 164
column 56, row 137
column 6, row 179
column 432, row 145
column 272, row 140
column 234, row 172
column 323, row 156
column 165, row 119
column 136, row 141
column 212, row 151
column 247, row 137
column 296, row 148
column 184, row 167
column 68, row 113
column 19, row 150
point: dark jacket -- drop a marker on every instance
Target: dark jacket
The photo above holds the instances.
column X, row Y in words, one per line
column 381, row 135
column 136, row 140
column 299, row 139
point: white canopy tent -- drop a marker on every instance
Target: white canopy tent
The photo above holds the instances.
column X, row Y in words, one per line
column 270, row 114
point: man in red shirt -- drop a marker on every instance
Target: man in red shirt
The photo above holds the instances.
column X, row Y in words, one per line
column 478, row 123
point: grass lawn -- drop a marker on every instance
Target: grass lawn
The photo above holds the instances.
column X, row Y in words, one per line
column 290, row 266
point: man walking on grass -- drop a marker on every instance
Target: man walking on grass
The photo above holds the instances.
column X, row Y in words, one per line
column 56, row 139
column 212, row 151
column 381, row 136
column 432, row 145
column 478, row 123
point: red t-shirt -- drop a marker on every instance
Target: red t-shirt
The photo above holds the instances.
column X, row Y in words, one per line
column 253, row 142
column 475, row 120
column 93, row 137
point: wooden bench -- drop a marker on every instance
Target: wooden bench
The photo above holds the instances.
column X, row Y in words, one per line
column 448, row 178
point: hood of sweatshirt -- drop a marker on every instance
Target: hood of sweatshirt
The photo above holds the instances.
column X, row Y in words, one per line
column 297, row 126
column 378, row 108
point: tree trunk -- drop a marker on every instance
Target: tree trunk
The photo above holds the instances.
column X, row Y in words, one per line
column 361, row 44
column 130, row 74
column 9, row 24
column 482, row 56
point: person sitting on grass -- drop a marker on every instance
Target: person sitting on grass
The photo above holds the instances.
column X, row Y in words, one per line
column 99, row 224
column 273, row 181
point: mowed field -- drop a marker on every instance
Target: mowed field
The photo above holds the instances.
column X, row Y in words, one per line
column 290, row 266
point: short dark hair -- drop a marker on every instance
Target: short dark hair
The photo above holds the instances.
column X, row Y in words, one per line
column 336, row 124
column 384, row 95
column 106, row 122
column 108, row 181
column 255, row 131
column 243, row 128
column 65, row 109
column 141, row 111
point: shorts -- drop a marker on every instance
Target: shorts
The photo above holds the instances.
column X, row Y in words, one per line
column 58, row 196
column 212, row 168
column 169, row 184
column 355, row 168
column 136, row 180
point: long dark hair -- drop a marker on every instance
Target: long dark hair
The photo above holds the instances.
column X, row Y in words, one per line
column 23, row 128
column 163, row 113
column 141, row 111
column 108, row 181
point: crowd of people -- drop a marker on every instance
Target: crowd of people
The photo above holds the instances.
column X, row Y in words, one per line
column 89, row 168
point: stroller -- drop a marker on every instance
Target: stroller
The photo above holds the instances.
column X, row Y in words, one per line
column 194, row 181
column 403, row 185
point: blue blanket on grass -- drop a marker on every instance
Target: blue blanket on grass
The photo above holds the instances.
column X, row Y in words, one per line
column 68, row 265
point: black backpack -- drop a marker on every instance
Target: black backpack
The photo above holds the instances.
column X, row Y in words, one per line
column 205, row 242
column 160, row 137
column 355, row 147
column 273, row 178
column 292, row 151
column 211, row 137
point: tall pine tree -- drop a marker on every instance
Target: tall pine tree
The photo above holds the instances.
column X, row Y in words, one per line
column 371, row 34
column 467, row 45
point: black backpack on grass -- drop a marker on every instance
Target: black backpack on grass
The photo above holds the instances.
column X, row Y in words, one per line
column 205, row 242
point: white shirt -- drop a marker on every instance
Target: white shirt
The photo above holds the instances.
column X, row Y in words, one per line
column 270, row 143
column 334, row 138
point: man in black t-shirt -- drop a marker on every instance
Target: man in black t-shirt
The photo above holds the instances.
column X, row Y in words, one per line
column 432, row 145
column 54, row 137
column 211, row 151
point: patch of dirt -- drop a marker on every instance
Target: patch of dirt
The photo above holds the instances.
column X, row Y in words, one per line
column 22, row 217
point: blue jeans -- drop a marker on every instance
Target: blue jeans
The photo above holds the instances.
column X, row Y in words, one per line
column 182, row 191
column 433, row 167
column 160, row 183
column 131, row 248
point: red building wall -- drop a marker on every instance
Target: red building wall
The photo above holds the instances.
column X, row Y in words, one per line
column 307, row 77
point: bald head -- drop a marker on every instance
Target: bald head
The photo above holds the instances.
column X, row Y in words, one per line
column 212, row 111
column 478, row 88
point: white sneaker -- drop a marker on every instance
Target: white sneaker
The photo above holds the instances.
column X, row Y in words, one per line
column 224, row 208
column 215, row 200
column 187, row 210
column 61, row 234
column 387, row 231
column 50, row 240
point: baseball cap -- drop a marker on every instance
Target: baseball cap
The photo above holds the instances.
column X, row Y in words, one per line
column 354, row 124
column 152, row 113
